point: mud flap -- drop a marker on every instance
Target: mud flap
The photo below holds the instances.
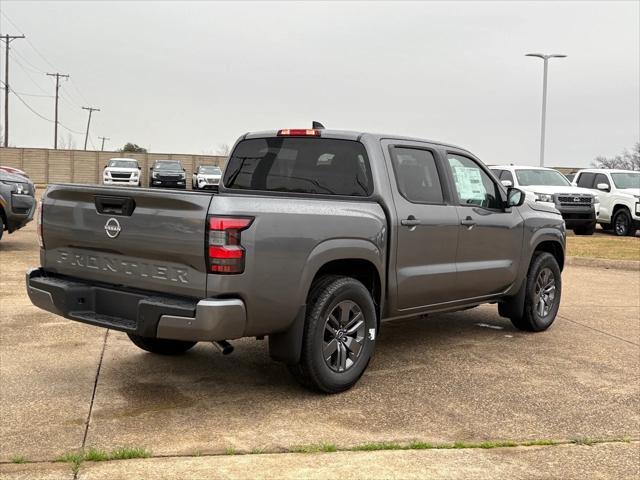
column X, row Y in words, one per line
column 513, row 307
column 286, row 346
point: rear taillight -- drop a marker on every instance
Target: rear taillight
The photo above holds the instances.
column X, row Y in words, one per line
column 299, row 132
column 39, row 224
column 225, row 252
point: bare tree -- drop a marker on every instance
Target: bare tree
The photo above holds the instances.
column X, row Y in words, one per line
column 68, row 143
column 223, row 149
column 627, row 160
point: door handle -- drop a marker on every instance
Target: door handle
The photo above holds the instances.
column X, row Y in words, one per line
column 410, row 221
column 468, row 222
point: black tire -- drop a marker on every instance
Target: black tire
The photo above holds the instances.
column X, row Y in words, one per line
column 1, row 226
column 622, row 224
column 587, row 230
column 161, row 346
column 328, row 298
column 607, row 227
column 531, row 319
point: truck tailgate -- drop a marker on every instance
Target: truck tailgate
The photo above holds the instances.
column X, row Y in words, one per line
column 147, row 239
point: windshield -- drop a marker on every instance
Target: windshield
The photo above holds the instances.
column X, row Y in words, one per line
column 626, row 179
column 210, row 169
column 123, row 163
column 550, row 178
column 170, row 166
column 302, row 165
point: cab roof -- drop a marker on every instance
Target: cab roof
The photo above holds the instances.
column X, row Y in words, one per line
column 355, row 136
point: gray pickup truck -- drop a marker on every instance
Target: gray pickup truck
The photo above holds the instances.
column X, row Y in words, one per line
column 315, row 238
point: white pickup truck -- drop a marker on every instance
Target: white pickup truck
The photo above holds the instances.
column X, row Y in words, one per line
column 122, row 171
column 578, row 206
column 618, row 192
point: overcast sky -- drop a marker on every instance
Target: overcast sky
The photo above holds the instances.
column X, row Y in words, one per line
column 187, row 77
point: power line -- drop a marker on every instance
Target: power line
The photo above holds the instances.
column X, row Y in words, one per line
column 32, row 67
column 35, row 112
column 26, row 72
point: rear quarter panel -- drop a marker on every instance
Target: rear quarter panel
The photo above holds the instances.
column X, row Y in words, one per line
column 288, row 242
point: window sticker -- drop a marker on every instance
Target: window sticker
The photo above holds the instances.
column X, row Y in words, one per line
column 469, row 183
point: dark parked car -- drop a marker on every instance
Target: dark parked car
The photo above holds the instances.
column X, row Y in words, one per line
column 167, row 174
column 17, row 201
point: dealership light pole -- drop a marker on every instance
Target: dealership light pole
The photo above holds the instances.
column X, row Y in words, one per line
column 544, row 96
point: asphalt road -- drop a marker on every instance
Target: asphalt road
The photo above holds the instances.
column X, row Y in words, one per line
column 465, row 377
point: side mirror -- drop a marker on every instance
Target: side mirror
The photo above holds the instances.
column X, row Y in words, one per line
column 506, row 183
column 515, row 197
column 140, row 168
column 603, row 186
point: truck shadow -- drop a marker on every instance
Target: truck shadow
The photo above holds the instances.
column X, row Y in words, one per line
column 150, row 383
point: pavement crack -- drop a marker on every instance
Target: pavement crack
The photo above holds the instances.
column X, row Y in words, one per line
column 95, row 387
column 600, row 331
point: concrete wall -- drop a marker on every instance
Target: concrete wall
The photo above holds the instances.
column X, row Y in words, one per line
column 79, row 166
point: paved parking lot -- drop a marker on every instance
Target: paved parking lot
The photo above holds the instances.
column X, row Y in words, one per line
column 468, row 377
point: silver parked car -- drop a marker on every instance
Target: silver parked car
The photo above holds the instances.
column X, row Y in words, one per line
column 206, row 176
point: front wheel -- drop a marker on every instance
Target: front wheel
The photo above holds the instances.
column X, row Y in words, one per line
column 542, row 294
column 622, row 225
column 161, row 346
column 339, row 335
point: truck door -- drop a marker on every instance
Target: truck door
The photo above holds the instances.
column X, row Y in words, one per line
column 490, row 241
column 427, row 227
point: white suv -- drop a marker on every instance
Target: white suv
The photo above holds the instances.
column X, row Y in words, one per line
column 122, row 171
column 619, row 194
column 578, row 206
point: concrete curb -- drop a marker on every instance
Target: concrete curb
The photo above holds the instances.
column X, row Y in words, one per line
column 603, row 263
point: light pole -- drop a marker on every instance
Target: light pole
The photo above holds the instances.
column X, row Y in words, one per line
column 544, row 96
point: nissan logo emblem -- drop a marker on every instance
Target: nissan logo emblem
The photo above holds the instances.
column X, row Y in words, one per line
column 112, row 227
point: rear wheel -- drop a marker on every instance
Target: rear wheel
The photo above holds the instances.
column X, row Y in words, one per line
column 161, row 346
column 622, row 225
column 543, row 291
column 339, row 335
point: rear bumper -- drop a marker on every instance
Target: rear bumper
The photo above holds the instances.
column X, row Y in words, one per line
column 142, row 313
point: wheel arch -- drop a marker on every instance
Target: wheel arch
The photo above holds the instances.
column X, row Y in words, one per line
column 356, row 258
column 554, row 248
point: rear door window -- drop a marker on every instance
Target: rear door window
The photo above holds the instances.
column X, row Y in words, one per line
column 585, row 180
column 300, row 165
column 417, row 175
column 601, row 178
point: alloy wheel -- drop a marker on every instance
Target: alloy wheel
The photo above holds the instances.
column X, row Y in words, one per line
column 545, row 292
column 344, row 333
column 622, row 224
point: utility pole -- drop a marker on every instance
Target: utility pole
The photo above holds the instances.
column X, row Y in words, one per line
column 7, row 39
column 55, row 130
column 103, row 139
column 91, row 110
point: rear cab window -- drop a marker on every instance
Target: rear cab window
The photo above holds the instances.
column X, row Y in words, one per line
column 320, row 166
